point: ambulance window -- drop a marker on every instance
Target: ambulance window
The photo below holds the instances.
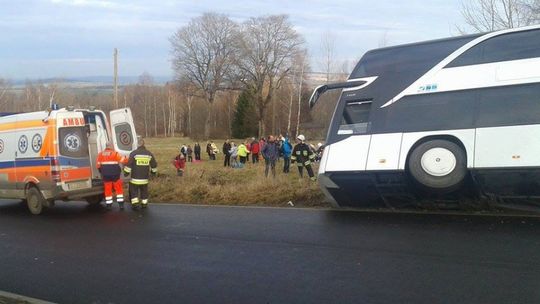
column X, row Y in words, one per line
column 124, row 136
column 355, row 118
column 73, row 142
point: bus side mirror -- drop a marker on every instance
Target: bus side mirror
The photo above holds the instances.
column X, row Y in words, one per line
column 317, row 94
column 334, row 86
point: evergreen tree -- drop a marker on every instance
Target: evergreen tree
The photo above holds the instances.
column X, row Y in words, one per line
column 245, row 119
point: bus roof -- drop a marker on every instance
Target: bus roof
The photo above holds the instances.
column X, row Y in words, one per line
column 434, row 41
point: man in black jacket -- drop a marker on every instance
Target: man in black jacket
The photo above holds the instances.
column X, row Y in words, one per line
column 140, row 164
column 227, row 153
column 303, row 156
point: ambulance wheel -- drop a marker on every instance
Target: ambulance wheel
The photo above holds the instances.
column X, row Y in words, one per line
column 438, row 165
column 34, row 200
column 94, row 200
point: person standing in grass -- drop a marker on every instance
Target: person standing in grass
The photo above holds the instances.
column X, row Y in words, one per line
column 286, row 149
column 210, row 151
column 303, row 156
column 226, row 154
column 197, row 151
column 233, row 152
column 214, row 149
column 189, row 154
column 270, row 152
column 243, row 152
column 254, row 148
column 183, row 150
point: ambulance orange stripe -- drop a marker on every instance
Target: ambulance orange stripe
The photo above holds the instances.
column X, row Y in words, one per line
column 25, row 124
column 75, row 174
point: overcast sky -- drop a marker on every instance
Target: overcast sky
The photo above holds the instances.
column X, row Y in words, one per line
column 70, row 38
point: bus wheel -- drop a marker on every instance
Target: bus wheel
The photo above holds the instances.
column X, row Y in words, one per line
column 438, row 165
column 34, row 200
column 94, row 200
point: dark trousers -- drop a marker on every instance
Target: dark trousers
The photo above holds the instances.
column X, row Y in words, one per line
column 138, row 193
column 309, row 171
column 286, row 164
column 227, row 160
column 189, row 158
column 243, row 159
column 270, row 164
column 255, row 157
column 197, row 155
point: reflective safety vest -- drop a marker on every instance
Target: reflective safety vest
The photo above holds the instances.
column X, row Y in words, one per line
column 140, row 163
column 302, row 155
column 108, row 163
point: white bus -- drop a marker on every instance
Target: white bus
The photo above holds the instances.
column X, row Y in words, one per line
column 437, row 118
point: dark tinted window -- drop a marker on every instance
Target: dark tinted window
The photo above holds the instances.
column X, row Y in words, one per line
column 355, row 118
column 408, row 58
column 507, row 47
column 73, row 142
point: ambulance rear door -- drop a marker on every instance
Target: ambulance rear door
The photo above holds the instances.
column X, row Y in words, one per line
column 123, row 131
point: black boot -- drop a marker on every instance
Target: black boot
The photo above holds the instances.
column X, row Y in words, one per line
column 121, row 204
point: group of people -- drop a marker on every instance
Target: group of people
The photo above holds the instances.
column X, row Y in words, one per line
column 141, row 163
column 270, row 149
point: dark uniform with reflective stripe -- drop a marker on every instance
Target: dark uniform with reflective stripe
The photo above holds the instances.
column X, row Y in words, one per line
column 303, row 156
column 140, row 163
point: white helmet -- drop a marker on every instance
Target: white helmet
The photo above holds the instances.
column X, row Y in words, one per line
column 301, row 137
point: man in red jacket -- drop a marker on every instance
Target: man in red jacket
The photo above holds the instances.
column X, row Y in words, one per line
column 108, row 164
column 255, row 149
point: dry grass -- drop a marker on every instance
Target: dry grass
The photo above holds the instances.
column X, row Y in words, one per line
column 209, row 182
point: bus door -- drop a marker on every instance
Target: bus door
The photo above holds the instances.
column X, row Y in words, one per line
column 123, row 131
column 351, row 152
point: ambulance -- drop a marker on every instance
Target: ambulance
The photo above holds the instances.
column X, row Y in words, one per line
column 51, row 155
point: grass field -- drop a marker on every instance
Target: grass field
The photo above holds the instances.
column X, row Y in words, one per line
column 209, row 182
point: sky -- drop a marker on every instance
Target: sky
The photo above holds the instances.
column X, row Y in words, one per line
column 75, row 38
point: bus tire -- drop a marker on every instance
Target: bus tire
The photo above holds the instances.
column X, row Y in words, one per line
column 94, row 200
column 34, row 200
column 438, row 165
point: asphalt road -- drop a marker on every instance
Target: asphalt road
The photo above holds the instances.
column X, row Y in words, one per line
column 190, row 254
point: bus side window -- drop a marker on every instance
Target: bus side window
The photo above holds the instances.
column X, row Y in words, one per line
column 355, row 118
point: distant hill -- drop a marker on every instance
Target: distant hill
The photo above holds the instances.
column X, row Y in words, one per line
column 90, row 81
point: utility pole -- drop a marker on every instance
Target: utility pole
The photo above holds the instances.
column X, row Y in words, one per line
column 116, row 77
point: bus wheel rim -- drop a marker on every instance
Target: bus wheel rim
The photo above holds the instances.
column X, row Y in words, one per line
column 438, row 162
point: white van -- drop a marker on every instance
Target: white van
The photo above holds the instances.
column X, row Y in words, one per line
column 51, row 155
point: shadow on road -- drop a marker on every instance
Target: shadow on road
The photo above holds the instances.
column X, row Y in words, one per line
column 355, row 218
column 62, row 210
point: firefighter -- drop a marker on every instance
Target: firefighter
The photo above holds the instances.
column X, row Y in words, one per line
column 303, row 156
column 140, row 164
column 108, row 164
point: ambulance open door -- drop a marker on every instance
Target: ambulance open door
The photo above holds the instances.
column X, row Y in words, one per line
column 123, row 131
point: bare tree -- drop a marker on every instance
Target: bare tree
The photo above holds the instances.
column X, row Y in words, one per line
column 203, row 52
column 4, row 87
column 268, row 46
column 491, row 15
column 328, row 48
column 300, row 83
